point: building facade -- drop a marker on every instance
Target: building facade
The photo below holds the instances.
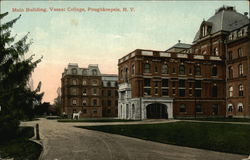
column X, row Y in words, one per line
column 209, row 77
column 84, row 89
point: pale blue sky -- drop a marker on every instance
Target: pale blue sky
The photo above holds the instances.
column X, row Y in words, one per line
column 102, row 38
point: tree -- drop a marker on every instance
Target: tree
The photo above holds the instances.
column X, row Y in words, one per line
column 57, row 102
column 16, row 98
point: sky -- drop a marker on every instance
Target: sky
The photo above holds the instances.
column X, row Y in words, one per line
column 65, row 32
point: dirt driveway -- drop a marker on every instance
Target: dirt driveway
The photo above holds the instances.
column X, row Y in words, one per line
column 63, row 141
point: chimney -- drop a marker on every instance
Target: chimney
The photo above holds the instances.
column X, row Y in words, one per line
column 245, row 13
column 179, row 41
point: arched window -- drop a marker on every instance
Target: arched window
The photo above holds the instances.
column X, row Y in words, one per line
column 241, row 90
column 214, row 91
column 182, row 108
column 74, row 81
column 126, row 74
column 84, row 92
column 164, row 69
column 84, row 102
column 73, row 91
column 133, row 69
column 231, row 91
column 146, row 68
column 94, row 102
column 230, row 72
column 94, row 91
column 94, row 72
column 215, row 51
column 84, row 82
column 214, row 71
column 240, row 107
column 133, row 110
column 197, row 70
column 182, row 69
column 240, row 54
column 74, row 102
column 240, row 70
column 94, row 82
column 229, row 108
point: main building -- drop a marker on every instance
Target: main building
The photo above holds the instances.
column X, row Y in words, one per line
column 209, row 77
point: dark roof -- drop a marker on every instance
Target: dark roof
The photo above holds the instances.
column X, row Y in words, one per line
column 225, row 19
column 180, row 45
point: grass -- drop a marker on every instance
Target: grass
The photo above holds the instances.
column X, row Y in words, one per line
column 95, row 120
column 21, row 148
column 219, row 119
column 232, row 138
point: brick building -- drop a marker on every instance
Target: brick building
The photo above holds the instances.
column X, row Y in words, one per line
column 88, row 90
column 209, row 77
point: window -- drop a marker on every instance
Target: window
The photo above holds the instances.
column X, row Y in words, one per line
column 241, row 89
column 164, row 82
column 173, row 91
column 116, row 103
column 74, row 102
column 74, row 82
column 156, row 91
column 231, row 91
column 173, row 84
column 215, row 51
column 182, row 92
column 182, row 69
column 84, row 91
column 126, row 75
column 84, row 102
column 198, row 93
column 197, row 70
column 230, row 55
column 74, row 71
column 182, row 108
column 214, row 91
column 215, row 109
column 95, row 111
column 230, row 108
column 173, row 70
column 240, row 69
column 109, row 103
column 146, row 68
column 190, row 91
column 164, row 92
column 103, row 103
column 155, row 84
column 109, row 93
column 133, row 69
column 84, row 111
column 190, row 71
column 109, row 111
column 94, row 102
column 108, row 84
column 198, row 108
column 84, row 82
column 94, row 82
column 164, row 69
column 94, row 91
column 190, row 85
column 204, row 52
column 240, row 107
column 181, row 83
column 94, row 72
column 240, row 54
column 73, row 91
column 214, row 71
column 197, row 83
column 147, row 82
column 230, row 72
column 156, row 68
column 147, row 91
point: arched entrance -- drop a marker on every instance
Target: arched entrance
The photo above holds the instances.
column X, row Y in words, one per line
column 157, row 110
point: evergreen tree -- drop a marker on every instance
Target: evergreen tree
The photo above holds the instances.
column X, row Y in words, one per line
column 16, row 98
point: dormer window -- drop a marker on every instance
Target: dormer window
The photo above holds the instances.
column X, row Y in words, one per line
column 204, row 31
column 94, row 72
column 74, row 71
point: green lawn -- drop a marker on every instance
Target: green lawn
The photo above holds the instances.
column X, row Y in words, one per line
column 21, row 148
column 218, row 119
column 230, row 138
column 95, row 120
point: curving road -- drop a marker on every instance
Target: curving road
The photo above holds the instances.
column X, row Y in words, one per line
column 63, row 141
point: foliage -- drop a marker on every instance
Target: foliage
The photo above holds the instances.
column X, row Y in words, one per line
column 232, row 138
column 95, row 120
column 21, row 148
column 16, row 98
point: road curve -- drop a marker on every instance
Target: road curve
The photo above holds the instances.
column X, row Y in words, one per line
column 63, row 141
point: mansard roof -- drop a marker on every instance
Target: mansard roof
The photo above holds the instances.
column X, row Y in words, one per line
column 226, row 18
